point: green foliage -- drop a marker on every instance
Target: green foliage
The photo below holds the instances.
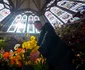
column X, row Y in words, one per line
column 3, row 43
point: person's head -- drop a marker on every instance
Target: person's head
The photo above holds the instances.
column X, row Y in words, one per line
column 38, row 25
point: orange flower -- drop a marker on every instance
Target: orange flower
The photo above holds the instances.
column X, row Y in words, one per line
column 18, row 57
column 19, row 50
column 6, row 54
column 12, row 61
column 19, row 64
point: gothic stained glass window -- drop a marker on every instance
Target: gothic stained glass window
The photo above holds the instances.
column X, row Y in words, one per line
column 4, row 12
column 30, row 26
column 67, row 4
column 55, row 14
column 15, row 24
column 52, row 19
column 6, row 1
column 74, row 6
column 81, row 0
column 23, row 23
column 64, row 16
column 80, row 8
column 1, row 6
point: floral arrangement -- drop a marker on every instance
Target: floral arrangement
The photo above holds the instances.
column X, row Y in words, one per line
column 74, row 36
column 21, row 55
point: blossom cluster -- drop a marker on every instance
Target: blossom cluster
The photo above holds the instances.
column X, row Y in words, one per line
column 21, row 54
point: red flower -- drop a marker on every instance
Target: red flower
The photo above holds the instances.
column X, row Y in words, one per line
column 19, row 64
column 6, row 54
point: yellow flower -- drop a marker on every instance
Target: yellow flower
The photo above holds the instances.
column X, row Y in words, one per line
column 27, row 45
column 35, row 49
column 23, row 56
column 32, row 38
column 24, row 45
column 33, row 42
column 30, row 44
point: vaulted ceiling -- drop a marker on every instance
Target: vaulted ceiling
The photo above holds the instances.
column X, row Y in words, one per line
column 36, row 5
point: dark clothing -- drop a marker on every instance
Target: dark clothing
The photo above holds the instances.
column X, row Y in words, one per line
column 53, row 48
column 62, row 67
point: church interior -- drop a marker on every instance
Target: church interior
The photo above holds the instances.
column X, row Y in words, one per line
column 67, row 17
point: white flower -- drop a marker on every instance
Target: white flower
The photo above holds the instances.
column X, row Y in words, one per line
column 16, row 46
column 11, row 52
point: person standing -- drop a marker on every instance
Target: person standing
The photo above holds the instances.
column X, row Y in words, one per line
column 58, row 55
